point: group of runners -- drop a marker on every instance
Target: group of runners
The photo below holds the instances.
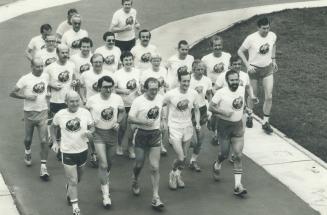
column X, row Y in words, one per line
column 125, row 95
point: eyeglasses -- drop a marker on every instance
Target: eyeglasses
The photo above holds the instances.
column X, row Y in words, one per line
column 109, row 40
column 145, row 37
column 107, row 87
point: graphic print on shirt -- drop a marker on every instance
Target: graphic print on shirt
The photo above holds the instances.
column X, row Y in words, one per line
column 199, row 89
column 146, row 57
column 73, row 125
column 161, row 81
column 264, row 49
column 95, row 87
column 129, row 20
column 39, row 88
column 219, row 67
column 131, row 84
column 107, row 114
column 50, row 61
column 110, row 59
column 153, row 113
column 84, row 67
column 182, row 69
column 63, row 76
column 75, row 44
column 183, row 104
column 238, row 103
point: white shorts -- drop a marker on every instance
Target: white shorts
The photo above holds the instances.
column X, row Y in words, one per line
column 180, row 135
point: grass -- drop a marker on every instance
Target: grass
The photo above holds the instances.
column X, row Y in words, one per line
column 300, row 91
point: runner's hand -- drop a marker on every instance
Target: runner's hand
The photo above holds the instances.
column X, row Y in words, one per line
column 116, row 126
column 255, row 100
column 251, row 69
column 31, row 97
column 55, row 147
column 275, row 66
column 198, row 127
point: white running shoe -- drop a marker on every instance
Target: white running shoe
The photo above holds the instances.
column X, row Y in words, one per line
column 28, row 159
column 172, row 180
column 119, row 150
column 106, row 201
column 44, row 175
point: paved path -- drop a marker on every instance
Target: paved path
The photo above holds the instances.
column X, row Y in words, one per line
column 201, row 196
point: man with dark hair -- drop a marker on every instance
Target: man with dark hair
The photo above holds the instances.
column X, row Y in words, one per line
column 123, row 24
column 143, row 51
column 67, row 24
column 110, row 52
column 261, row 64
column 38, row 42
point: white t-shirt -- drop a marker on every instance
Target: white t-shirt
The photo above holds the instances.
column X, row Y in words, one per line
column 146, row 109
column 120, row 19
column 160, row 75
column 180, row 106
column 72, row 38
column 36, row 44
column 128, row 80
column 82, row 64
column 33, row 85
column 216, row 65
column 230, row 101
column 142, row 55
column 104, row 112
column 260, row 48
column 244, row 80
column 63, row 27
column 173, row 64
column 47, row 57
column 89, row 80
column 201, row 87
column 73, row 127
column 111, row 57
column 62, row 74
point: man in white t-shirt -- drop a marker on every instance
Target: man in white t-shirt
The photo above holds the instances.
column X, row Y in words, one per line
column 67, row 24
column 48, row 54
column 261, row 64
column 82, row 59
column 33, row 89
column 203, row 86
column 38, row 42
column 145, row 114
column 72, row 37
column 143, row 51
column 178, row 62
column 110, row 52
column 107, row 109
column 123, row 24
column 181, row 101
column 76, row 127
column 228, row 104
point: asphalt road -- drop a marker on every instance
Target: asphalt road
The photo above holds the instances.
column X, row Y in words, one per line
column 201, row 196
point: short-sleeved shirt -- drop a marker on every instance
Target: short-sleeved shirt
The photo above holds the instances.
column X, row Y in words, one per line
column 244, row 80
column 174, row 64
column 73, row 127
column 142, row 55
column 72, row 38
column 201, row 86
column 47, row 57
column 33, row 85
column 36, row 43
column 144, row 108
column 82, row 64
column 89, row 80
column 62, row 74
column 230, row 101
column 121, row 19
column 111, row 57
column 180, row 106
column 160, row 75
column 260, row 48
column 63, row 27
column 216, row 65
column 104, row 111
column 128, row 80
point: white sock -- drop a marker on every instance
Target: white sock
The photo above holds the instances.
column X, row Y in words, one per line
column 43, row 165
column 28, row 151
column 74, row 204
column 194, row 157
column 178, row 172
column 105, row 189
column 218, row 165
column 265, row 119
column 238, row 178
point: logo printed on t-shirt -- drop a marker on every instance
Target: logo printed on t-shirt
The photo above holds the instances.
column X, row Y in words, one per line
column 39, row 88
column 153, row 113
column 95, row 87
column 73, row 125
column 75, row 44
column 129, row 20
column 110, row 59
column 84, row 67
column 182, row 69
column 219, row 67
column 238, row 103
column 264, row 49
column 161, row 81
column 43, row 46
column 183, row 104
column 50, row 61
column 199, row 89
column 241, row 83
column 131, row 84
column 63, row 76
column 107, row 114
column 146, row 57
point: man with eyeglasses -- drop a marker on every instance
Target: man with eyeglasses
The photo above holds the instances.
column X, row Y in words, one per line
column 67, row 24
column 110, row 52
column 124, row 24
column 143, row 51
column 48, row 54
column 72, row 37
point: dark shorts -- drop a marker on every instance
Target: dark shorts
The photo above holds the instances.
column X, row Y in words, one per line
column 227, row 129
column 55, row 108
column 125, row 45
column 203, row 115
column 262, row 72
column 73, row 159
column 127, row 109
column 147, row 138
column 105, row 136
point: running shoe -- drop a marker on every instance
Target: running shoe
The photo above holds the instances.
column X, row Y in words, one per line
column 135, row 188
column 131, row 152
column 76, row 211
column 28, row 159
column 163, row 151
column 119, row 150
column 180, row 182
column 214, row 141
column 240, row 191
column 267, row 128
column 157, row 204
column 215, row 172
column 232, row 159
column 44, row 175
column 172, row 180
column 106, row 201
column 195, row 166
column 249, row 121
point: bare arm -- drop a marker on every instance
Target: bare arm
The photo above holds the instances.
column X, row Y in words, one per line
column 215, row 109
column 17, row 94
column 28, row 54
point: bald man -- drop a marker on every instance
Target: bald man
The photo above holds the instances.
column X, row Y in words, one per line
column 32, row 87
column 77, row 127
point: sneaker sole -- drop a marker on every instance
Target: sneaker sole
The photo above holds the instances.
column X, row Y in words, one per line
column 107, row 206
column 158, row 207
column 215, row 173
column 45, row 177
column 241, row 194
